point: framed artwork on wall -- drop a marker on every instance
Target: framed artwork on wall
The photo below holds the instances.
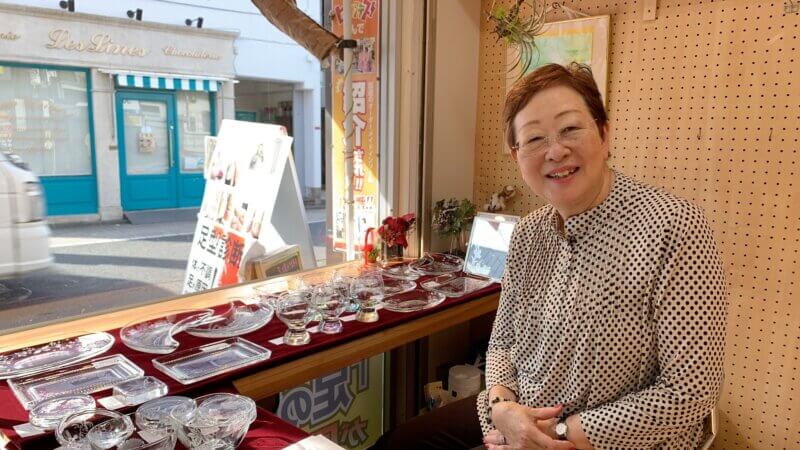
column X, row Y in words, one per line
column 584, row 40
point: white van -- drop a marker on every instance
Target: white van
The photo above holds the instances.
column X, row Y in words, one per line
column 24, row 234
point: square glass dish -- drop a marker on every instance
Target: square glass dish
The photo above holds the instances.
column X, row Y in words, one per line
column 459, row 286
column 85, row 378
column 195, row 364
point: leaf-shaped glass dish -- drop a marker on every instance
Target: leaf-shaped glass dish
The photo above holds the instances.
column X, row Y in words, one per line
column 156, row 335
column 401, row 269
column 393, row 286
column 56, row 354
column 240, row 318
column 413, row 301
column 437, row 264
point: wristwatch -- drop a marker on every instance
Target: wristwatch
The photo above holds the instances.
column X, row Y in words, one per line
column 561, row 430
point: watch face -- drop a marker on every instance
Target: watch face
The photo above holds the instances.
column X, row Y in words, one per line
column 561, row 430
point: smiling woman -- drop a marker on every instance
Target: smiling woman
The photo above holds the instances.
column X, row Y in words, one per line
column 598, row 341
column 569, row 169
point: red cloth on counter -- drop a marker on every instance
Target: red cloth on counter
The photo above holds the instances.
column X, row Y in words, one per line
column 12, row 413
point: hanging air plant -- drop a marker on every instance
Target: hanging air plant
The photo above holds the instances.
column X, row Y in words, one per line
column 518, row 27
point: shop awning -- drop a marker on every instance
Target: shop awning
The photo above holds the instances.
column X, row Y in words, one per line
column 166, row 81
column 180, row 84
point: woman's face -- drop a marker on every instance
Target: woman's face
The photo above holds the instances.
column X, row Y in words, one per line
column 561, row 156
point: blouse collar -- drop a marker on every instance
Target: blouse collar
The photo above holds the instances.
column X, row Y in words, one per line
column 583, row 224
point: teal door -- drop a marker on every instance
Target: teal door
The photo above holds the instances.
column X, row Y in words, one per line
column 147, row 150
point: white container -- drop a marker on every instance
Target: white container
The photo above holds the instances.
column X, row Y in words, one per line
column 464, row 381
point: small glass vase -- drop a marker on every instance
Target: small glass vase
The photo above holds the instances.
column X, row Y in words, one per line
column 458, row 243
column 390, row 252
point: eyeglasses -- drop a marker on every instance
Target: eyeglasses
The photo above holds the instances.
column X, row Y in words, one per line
column 536, row 143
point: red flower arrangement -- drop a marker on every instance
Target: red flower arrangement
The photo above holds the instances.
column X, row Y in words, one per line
column 393, row 230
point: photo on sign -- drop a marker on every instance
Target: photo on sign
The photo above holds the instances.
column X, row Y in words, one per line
column 210, row 144
column 231, row 173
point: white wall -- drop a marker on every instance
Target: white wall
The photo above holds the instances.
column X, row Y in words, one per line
column 455, row 101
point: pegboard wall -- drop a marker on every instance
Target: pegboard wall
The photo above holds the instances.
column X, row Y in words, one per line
column 705, row 102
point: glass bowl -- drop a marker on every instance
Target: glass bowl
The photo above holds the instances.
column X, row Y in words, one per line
column 47, row 414
column 215, row 421
column 93, row 429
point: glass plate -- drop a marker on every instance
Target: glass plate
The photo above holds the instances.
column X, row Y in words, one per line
column 239, row 319
column 434, row 282
column 401, row 270
column 460, row 286
column 195, row 364
column 394, row 287
column 93, row 376
column 437, row 264
column 47, row 414
column 156, row 335
column 413, row 301
column 33, row 360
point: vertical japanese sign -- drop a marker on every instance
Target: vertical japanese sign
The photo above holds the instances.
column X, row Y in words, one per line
column 345, row 406
column 244, row 172
column 366, row 30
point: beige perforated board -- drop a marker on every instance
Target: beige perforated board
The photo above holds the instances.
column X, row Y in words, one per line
column 705, row 101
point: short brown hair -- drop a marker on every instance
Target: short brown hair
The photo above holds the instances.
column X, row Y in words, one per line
column 575, row 76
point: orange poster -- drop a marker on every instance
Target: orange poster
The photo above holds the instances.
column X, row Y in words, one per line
column 366, row 27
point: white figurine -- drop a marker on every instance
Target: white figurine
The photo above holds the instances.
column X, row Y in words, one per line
column 499, row 199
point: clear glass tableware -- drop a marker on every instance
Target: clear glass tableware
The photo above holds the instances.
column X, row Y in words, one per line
column 155, row 335
column 56, row 354
column 369, row 292
column 434, row 282
column 401, row 270
column 139, row 390
column 269, row 292
column 460, row 286
column 343, row 279
column 93, row 429
column 195, row 364
column 154, row 416
column 136, row 442
column 344, row 285
column 47, row 414
column 437, row 264
column 393, row 286
column 82, row 378
column 240, row 318
column 415, row 300
column 313, row 279
column 330, row 302
column 218, row 421
column 295, row 309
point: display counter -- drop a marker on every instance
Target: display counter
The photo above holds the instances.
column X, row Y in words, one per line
column 288, row 366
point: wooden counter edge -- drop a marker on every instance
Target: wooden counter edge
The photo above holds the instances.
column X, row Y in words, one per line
column 290, row 374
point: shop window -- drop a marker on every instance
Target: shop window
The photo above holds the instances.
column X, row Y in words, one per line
column 44, row 118
column 194, row 118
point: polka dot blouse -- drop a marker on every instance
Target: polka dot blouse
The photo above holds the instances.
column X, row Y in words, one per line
column 621, row 318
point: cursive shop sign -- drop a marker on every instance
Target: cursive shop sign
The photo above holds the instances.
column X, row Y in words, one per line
column 98, row 43
column 9, row 36
column 61, row 39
